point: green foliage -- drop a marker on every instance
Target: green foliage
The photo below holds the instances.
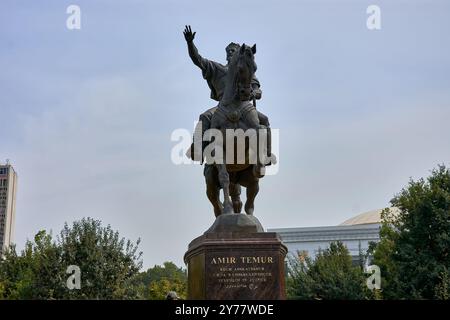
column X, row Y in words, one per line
column 330, row 276
column 413, row 253
column 35, row 273
column 382, row 255
column 298, row 282
column 107, row 264
column 156, row 282
column 107, row 261
column 442, row 288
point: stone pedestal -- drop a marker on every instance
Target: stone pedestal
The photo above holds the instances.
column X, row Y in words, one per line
column 242, row 264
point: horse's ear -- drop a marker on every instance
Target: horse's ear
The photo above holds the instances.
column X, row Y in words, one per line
column 254, row 48
column 242, row 48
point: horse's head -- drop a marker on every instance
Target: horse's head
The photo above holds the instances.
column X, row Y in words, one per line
column 246, row 68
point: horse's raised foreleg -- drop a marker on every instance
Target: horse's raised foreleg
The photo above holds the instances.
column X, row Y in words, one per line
column 224, row 180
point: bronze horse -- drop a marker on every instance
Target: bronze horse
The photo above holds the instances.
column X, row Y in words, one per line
column 236, row 111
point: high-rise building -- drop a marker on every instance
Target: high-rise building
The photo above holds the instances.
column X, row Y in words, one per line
column 8, row 190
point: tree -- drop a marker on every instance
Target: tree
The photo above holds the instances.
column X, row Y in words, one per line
column 330, row 276
column 35, row 273
column 107, row 263
column 156, row 282
column 299, row 284
column 414, row 249
column 382, row 252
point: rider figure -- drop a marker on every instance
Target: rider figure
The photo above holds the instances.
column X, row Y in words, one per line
column 215, row 75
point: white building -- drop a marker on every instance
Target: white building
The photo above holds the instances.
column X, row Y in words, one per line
column 355, row 233
column 8, row 190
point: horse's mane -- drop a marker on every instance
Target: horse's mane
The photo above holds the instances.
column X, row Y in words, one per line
column 232, row 74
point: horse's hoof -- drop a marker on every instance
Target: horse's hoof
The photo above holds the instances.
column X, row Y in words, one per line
column 218, row 210
column 228, row 209
column 249, row 210
column 237, row 206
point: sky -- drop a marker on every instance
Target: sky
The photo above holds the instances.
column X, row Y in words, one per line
column 86, row 115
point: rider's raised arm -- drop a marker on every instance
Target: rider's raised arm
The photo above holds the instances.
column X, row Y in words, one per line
column 196, row 58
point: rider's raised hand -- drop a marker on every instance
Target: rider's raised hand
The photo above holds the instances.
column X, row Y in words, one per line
column 188, row 35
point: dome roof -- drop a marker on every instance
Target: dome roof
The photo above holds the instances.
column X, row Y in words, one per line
column 373, row 216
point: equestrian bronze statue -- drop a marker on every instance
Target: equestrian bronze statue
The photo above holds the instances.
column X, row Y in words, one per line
column 236, row 88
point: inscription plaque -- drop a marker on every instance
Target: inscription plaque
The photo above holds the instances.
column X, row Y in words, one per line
column 239, row 266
